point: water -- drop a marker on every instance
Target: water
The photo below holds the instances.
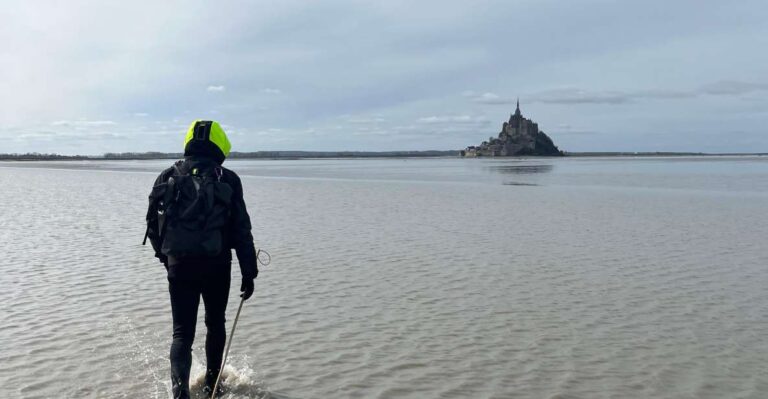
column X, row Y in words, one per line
column 409, row 278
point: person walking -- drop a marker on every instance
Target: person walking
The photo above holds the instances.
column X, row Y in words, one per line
column 196, row 216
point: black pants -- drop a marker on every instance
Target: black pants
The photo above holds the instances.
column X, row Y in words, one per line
column 186, row 284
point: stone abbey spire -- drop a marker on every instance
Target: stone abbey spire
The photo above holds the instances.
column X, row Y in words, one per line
column 517, row 115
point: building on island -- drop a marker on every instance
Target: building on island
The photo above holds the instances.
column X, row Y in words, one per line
column 518, row 136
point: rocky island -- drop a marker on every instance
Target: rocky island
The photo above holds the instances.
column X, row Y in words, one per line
column 519, row 136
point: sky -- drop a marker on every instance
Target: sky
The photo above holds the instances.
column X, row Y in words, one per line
column 90, row 77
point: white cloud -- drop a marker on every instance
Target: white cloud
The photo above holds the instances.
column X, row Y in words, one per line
column 579, row 96
column 491, row 98
column 488, row 98
column 269, row 90
column 365, row 120
column 571, row 95
column 83, row 123
column 456, row 119
column 81, row 136
column 216, row 88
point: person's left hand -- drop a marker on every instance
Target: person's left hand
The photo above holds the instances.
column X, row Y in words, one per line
column 246, row 288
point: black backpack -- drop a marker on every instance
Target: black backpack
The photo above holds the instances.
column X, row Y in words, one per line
column 192, row 211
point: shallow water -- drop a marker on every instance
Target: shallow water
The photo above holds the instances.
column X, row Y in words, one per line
column 407, row 278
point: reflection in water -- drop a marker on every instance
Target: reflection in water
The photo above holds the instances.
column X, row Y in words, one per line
column 515, row 183
column 521, row 169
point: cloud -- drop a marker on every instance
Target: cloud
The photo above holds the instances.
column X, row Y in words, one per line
column 488, row 98
column 364, row 120
column 731, row 87
column 453, row 119
column 269, row 132
column 216, row 88
column 83, row 123
column 662, row 94
column 579, row 96
column 572, row 95
column 268, row 90
column 70, row 136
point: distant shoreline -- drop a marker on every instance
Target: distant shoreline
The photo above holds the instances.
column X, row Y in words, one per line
column 662, row 154
column 284, row 155
column 292, row 155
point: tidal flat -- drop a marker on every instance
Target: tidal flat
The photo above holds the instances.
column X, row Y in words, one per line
column 407, row 278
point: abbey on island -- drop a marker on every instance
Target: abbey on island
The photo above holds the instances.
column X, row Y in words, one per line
column 519, row 136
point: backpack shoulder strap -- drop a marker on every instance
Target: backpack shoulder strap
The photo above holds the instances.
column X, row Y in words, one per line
column 168, row 197
column 160, row 202
column 177, row 167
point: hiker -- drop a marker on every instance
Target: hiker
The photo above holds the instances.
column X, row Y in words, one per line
column 196, row 216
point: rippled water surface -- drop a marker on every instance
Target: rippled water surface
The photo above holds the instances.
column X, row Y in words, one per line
column 407, row 278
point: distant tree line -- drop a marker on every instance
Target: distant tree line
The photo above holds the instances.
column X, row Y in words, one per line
column 36, row 156
column 143, row 155
column 341, row 154
column 289, row 154
column 634, row 154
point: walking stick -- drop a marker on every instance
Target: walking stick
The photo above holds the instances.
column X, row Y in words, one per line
column 234, row 325
column 226, row 353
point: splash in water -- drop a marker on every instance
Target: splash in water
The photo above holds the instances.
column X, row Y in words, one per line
column 148, row 351
column 238, row 380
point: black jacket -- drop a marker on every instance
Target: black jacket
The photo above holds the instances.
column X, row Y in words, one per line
column 237, row 234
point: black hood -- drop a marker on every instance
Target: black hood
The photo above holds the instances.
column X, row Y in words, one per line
column 204, row 149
